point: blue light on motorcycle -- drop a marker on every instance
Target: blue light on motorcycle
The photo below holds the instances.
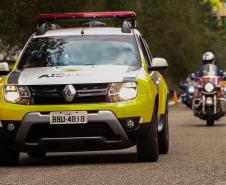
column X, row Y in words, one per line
column 191, row 89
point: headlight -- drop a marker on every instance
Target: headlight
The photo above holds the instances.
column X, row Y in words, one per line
column 191, row 89
column 209, row 87
column 17, row 94
column 122, row 91
column 224, row 89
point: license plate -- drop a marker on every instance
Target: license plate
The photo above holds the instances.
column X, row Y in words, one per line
column 70, row 117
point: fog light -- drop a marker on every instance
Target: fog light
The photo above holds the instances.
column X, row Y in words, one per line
column 130, row 123
column 10, row 127
column 1, row 124
column 209, row 101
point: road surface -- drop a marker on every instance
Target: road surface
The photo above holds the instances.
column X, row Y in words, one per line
column 197, row 156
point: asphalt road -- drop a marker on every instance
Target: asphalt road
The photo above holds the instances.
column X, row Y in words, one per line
column 197, row 156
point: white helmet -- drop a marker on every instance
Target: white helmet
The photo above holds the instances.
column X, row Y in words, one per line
column 208, row 58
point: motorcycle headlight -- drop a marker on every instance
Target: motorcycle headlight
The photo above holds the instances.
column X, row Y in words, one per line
column 122, row 91
column 191, row 89
column 209, row 87
column 224, row 89
column 17, row 94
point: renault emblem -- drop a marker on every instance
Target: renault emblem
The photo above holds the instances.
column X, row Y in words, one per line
column 69, row 93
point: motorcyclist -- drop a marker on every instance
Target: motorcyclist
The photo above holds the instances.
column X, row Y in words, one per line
column 190, row 78
column 208, row 58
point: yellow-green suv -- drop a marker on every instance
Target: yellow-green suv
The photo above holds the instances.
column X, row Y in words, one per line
column 82, row 89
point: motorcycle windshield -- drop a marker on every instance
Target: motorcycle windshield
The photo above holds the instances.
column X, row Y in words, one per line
column 210, row 70
column 210, row 74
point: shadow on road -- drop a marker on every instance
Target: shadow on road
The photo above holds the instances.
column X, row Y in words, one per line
column 70, row 159
column 202, row 125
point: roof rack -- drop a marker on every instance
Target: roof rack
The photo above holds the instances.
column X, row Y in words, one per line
column 45, row 21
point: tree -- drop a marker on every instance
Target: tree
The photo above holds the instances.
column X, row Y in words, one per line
column 175, row 29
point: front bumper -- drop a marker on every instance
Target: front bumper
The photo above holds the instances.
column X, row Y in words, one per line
column 118, row 139
column 142, row 106
column 109, row 114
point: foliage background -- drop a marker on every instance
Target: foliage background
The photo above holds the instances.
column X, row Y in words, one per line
column 179, row 30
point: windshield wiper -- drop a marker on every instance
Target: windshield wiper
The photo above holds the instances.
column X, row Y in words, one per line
column 89, row 64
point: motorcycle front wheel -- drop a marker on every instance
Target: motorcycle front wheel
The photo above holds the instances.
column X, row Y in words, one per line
column 209, row 117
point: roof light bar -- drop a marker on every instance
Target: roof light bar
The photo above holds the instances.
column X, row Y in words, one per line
column 86, row 15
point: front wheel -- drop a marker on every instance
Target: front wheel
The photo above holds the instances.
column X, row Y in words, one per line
column 210, row 122
column 8, row 157
column 148, row 146
column 209, row 117
column 164, row 136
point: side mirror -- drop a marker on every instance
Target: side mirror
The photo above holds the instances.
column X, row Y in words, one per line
column 224, row 77
column 193, row 76
column 4, row 68
column 159, row 64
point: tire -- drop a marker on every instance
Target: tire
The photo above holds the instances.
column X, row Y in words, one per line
column 210, row 121
column 36, row 155
column 147, row 146
column 190, row 105
column 164, row 136
column 209, row 117
column 8, row 157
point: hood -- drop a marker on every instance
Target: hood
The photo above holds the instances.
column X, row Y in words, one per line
column 77, row 75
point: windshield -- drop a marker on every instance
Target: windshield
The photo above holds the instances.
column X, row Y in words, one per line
column 210, row 70
column 80, row 50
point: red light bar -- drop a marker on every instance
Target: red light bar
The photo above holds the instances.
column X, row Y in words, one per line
column 86, row 15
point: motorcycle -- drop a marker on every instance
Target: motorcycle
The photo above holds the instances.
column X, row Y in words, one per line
column 188, row 93
column 209, row 101
column 188, row 90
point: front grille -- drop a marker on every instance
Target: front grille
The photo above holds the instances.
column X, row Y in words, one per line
column 53, row 94
column 39, row 131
